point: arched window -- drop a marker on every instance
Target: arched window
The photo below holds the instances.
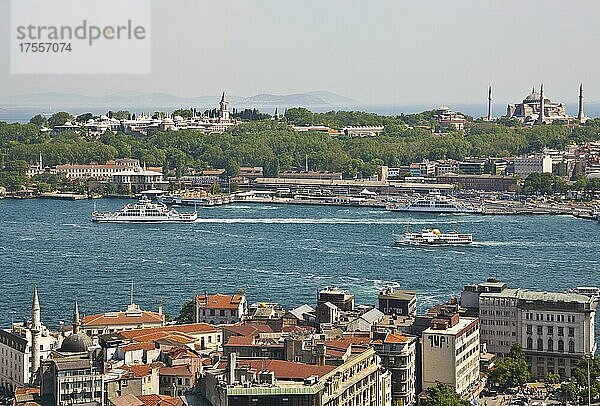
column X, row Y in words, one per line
column 571, row 346
column 529, row 343
column 561, row 346
column 540, row 344
column 550, row 345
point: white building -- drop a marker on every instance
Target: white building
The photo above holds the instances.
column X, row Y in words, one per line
column 16, row 344
column 362, row 131
column 99, row 171
column 221, row 309
column 554, row 329
column 538, row 163
column 132, row 318
column 139, row 179
column 450, row 353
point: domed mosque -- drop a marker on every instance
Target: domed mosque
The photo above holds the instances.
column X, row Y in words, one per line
column 536, row 108
column 78, row 341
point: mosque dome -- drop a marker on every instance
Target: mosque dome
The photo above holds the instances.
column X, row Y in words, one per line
column 76, row 342
column 535, row 96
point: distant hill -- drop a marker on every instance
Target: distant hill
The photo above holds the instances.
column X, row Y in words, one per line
column 53, row 101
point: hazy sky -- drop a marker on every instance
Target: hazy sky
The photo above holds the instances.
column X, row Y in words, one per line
column 375, row 51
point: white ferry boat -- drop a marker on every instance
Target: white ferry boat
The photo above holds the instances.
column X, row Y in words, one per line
column 434, row 237
column 434, row 202
column 144, row 211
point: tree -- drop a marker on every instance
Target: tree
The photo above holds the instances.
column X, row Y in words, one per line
column 38, row 120
column 59, row 118
column 299, row 116
column 185, row 113
column 121, row 115
column 552, row 378
column 232, row 168
column 82, row 118
column 511, row 371
column 187, row 313
column 442, row 395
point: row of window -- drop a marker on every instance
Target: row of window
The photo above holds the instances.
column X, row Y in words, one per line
column 550, row 317
column 550, row 345
column 550, row 330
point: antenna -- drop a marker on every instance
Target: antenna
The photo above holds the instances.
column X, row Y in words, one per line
column 131, row 302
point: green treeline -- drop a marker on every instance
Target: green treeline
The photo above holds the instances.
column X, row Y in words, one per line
column 275, row 146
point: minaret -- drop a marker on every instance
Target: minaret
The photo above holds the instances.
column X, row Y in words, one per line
column 541, row 117
column 489, row 113
column 36, row 331
column 76, row 322
column 223, row 104
column 41, row 165
column 580, row 113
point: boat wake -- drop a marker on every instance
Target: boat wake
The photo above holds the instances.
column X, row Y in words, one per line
column 317, row 221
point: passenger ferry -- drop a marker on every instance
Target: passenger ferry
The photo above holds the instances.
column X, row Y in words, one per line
column 434, row 237
column 144, row 211
column 434, row 202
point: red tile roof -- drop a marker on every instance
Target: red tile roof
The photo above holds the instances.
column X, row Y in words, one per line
column 288, row 370
column 155, row 333
column 147, row 346
column 245, row 329
column 121, row 319
column 342, row 343
column 219, row 301
column 250, row 341
column 176, row 370
column 396, row 338
column 160, row 400
column 140, row 370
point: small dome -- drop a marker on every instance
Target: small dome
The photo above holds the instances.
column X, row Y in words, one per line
column 76, row 342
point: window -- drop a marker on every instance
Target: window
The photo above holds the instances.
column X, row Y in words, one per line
column 571, row 346
column 212, row 312
column 571, row 332
column 222, row 312
column 529, row 343
column 529, row 328
column 550, row 345
column 540, row 344
column 561, row 346
column 561, row 331
column 550, row 330
column 540, row 330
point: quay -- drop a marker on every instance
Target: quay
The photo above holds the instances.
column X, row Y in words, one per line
column 63, row 196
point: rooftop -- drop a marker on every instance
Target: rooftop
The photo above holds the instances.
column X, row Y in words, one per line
column 529, row 295
column 121, row 319
column 220, row 301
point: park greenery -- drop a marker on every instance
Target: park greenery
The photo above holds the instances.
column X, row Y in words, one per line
column 512, row 371
column 577, row 387
column 442, row 394
column 274, row 145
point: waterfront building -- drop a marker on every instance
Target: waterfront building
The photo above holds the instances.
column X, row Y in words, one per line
column 340, row 298
column 398, row 354
column 221, row 309
column 536, row 108
column 472, row 166
column 450, row 352
column 484, row 182
column 398, row 301
column 360, row 381
column 23, row 348
column 536, row 163
column 138, row 179
column 555, row 329
column 132, row 318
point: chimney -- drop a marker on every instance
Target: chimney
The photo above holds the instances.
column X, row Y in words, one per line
column 231, row 367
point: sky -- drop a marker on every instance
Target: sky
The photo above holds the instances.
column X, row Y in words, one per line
column 376, row 51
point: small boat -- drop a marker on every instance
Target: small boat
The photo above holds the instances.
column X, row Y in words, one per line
column 434, row 237
column 144, row 211
column 434, row 202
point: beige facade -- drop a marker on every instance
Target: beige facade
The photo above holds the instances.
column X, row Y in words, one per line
column 451, row 355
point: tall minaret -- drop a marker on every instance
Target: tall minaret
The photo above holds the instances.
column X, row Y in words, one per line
column 580, row 113
column 223, row 104
column 76, row 322
column 489, row 113
column 36, row 331
column 541, row 117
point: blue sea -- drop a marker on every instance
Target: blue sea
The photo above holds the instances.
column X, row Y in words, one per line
column 273, row 252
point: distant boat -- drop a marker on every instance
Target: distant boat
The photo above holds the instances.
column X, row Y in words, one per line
column 434, row 237
column 144, row 211
column 434, row 202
